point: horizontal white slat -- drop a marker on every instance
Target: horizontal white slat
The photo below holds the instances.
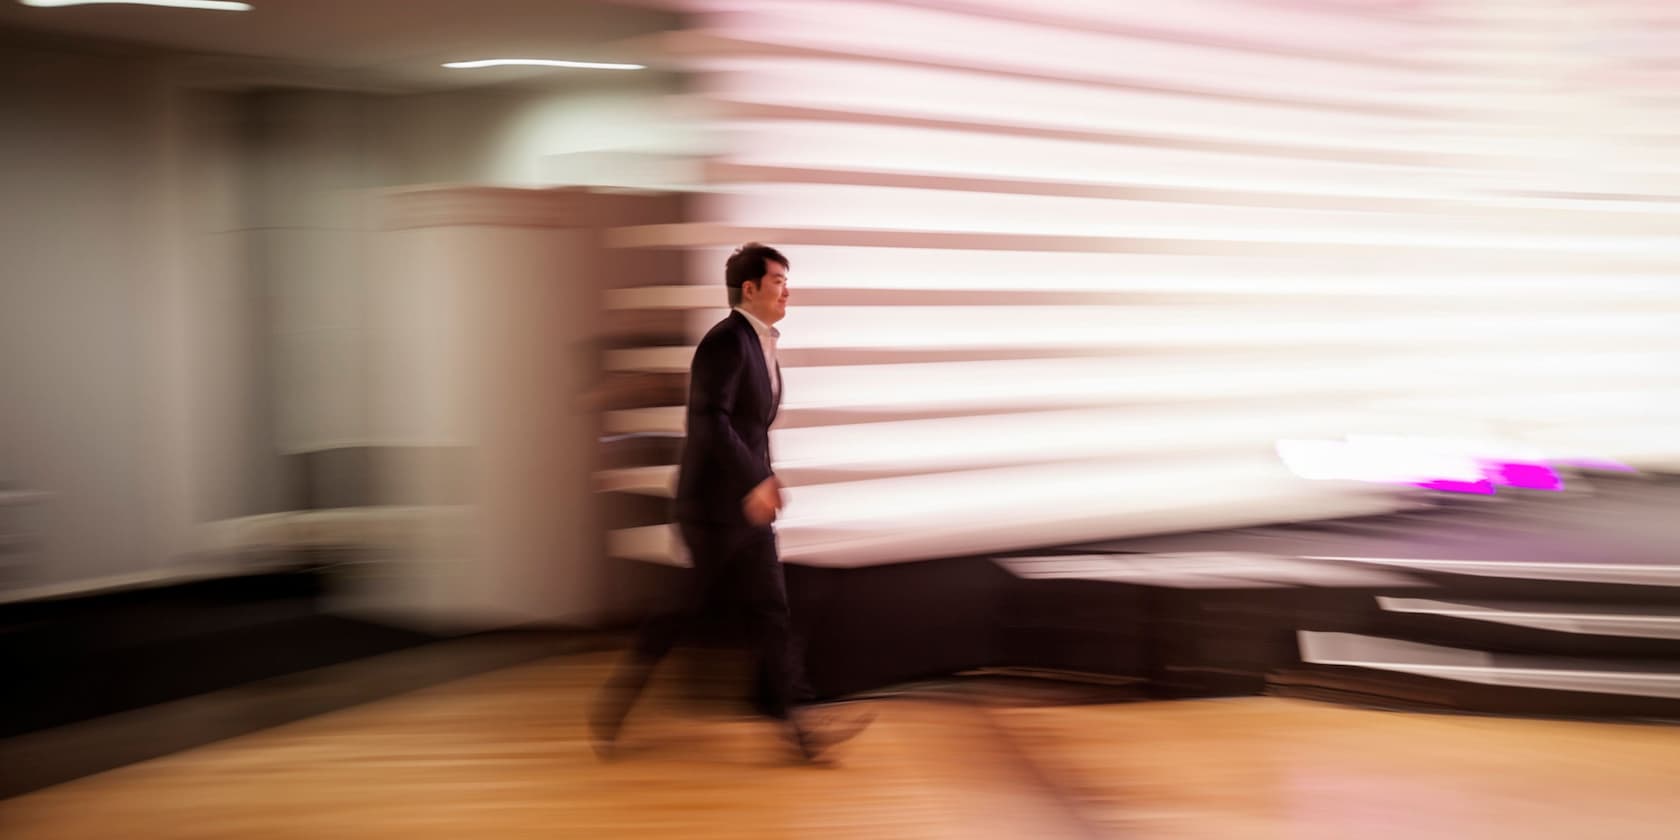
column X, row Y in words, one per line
column 658, row 420
column 1485, row 668
column 859, row 266
column 1475, row 223
column 824, row 140
column 1351, row 41
column 917, row 517
column 649, row 544
column 848, row 206
column 650, row 359
column 1050, row 382
column 666, row 297
column 1109, row 96
column 649, row 481
column 991, row 173
column 1154, row 327
column 1202, row 570
column 1088, row 347
column 788, row 106
column 1630, row 573
column 944, row 444
column 1631, row 622
column 1635, row 254
column 819, row 285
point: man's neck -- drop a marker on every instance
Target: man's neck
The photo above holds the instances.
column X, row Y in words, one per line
column 756, row 316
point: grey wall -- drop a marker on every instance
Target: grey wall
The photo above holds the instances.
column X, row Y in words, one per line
column 182, row 275
column 80, row 168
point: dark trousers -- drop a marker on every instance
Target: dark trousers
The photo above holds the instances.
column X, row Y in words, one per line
column 737, row 578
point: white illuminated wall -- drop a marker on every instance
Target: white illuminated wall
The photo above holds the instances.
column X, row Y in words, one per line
column 1069, row 270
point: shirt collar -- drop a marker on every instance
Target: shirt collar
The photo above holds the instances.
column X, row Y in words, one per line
column 758, row 326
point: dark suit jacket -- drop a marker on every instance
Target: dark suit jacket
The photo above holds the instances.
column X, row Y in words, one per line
column 730, row 408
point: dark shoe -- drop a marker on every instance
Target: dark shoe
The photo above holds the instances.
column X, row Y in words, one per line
column 815, row 734
column 603, row 738
column 606, row 720
column 613, row 703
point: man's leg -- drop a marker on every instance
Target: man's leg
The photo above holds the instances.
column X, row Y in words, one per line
column 781, row 682
column 764, row 601
column 653, row 642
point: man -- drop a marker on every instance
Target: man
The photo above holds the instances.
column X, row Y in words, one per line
column 728, row 496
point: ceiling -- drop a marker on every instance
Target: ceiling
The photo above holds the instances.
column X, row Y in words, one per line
column 370, row 44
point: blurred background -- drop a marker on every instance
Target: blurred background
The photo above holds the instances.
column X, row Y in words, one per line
column 313, row 347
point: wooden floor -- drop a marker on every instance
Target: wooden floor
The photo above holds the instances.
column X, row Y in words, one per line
column 503, row 755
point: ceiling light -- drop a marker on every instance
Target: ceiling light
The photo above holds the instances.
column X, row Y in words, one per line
column 540, row 62
column 212, row 5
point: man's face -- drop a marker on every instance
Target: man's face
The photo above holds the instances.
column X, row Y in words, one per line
column 767, row 299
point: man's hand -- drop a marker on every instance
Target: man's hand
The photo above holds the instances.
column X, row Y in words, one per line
column 764, row 502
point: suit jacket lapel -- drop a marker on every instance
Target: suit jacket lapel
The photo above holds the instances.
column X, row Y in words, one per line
column 763, row 367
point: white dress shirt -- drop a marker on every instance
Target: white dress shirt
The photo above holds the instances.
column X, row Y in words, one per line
column 767, row 336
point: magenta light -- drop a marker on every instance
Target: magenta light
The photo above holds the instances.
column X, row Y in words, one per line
column 1479, row 488
column 1525, row 475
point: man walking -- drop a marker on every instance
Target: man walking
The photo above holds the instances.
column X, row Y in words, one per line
column 728, row 496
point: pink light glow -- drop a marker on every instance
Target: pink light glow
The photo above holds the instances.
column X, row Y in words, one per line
column 1445, row 465
column 1525, row 476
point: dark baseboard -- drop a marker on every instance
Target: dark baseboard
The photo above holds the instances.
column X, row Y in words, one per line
column 48, row 757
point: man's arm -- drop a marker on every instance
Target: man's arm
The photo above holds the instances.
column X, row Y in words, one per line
column 714, row 379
